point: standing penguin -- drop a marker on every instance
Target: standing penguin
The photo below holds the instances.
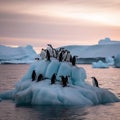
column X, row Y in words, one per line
column 95, row 82
column 50, row 49
column 40, row 77
column 47, row 55
column 60, row 51
column 60, row 57
column 74, row 60
column 53, row 78
column 54, row 53
column 43, row 54
column 65, row 55
column 33, row 75
column 64, row 81
column 68, row 58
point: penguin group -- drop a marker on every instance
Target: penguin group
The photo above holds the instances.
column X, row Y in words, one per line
column 35, row 78
column 64, row 79
column 60, row 54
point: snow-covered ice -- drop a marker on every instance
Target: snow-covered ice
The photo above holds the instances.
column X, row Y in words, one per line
column 86, row 53
column 109, row 61
column 107, row 41
column 117, row 60
column 100, row 64
column 17, row 54
column 77, row 92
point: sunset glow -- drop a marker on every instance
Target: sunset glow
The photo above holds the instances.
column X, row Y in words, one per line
column 69, row 12
column 70, row 21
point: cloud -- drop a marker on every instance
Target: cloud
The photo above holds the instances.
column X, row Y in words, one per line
column 100, row 12
column 59, row 20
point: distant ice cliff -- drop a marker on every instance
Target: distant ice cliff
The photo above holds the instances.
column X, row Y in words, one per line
column 17, row 55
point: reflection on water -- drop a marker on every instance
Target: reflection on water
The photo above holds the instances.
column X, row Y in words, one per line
column 10, row 74
column 108, row 78
column 105, row 112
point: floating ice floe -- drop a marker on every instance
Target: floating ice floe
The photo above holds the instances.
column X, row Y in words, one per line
column 100, row 64
column 117, row 61
column 77, row 91
column 109, row 61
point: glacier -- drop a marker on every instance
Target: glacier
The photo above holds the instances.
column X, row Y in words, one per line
column 17, row 54
column 77, row 91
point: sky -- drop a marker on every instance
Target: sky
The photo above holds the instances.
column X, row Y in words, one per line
column 58, row 22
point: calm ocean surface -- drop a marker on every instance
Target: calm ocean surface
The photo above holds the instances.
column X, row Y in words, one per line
column 108, row 78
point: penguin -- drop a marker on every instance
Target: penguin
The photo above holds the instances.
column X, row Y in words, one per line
column 68, row 57
column 54, row 53
column 65, row 55
column 33, row 75
column 40, row 77
column 43, row 54
column 50, row 49
column 60, row 56
column 71, row 58
column 53, row 78
column 64, row 81
column 37, row 59
column 74, row 60
column 95, row 82
column 60, row 52
column 47, row 55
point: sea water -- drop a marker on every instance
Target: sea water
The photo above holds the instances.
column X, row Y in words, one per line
column 107, row 78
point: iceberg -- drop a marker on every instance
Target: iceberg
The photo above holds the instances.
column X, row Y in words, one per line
column 77, row 91
column 117, row 61
column 92, row 53
column 100, row 64
column 86, row 53
column 109, row 61
column 107, row 41
column 17, row 55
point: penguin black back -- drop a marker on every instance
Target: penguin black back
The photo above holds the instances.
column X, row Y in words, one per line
column 33, row 75
column 64, row 81
column 74, row 60
column 40, row 77
column 95, row 82
column 53, row 78
column 48, row 55
column 60, row 57
column 71, row 58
